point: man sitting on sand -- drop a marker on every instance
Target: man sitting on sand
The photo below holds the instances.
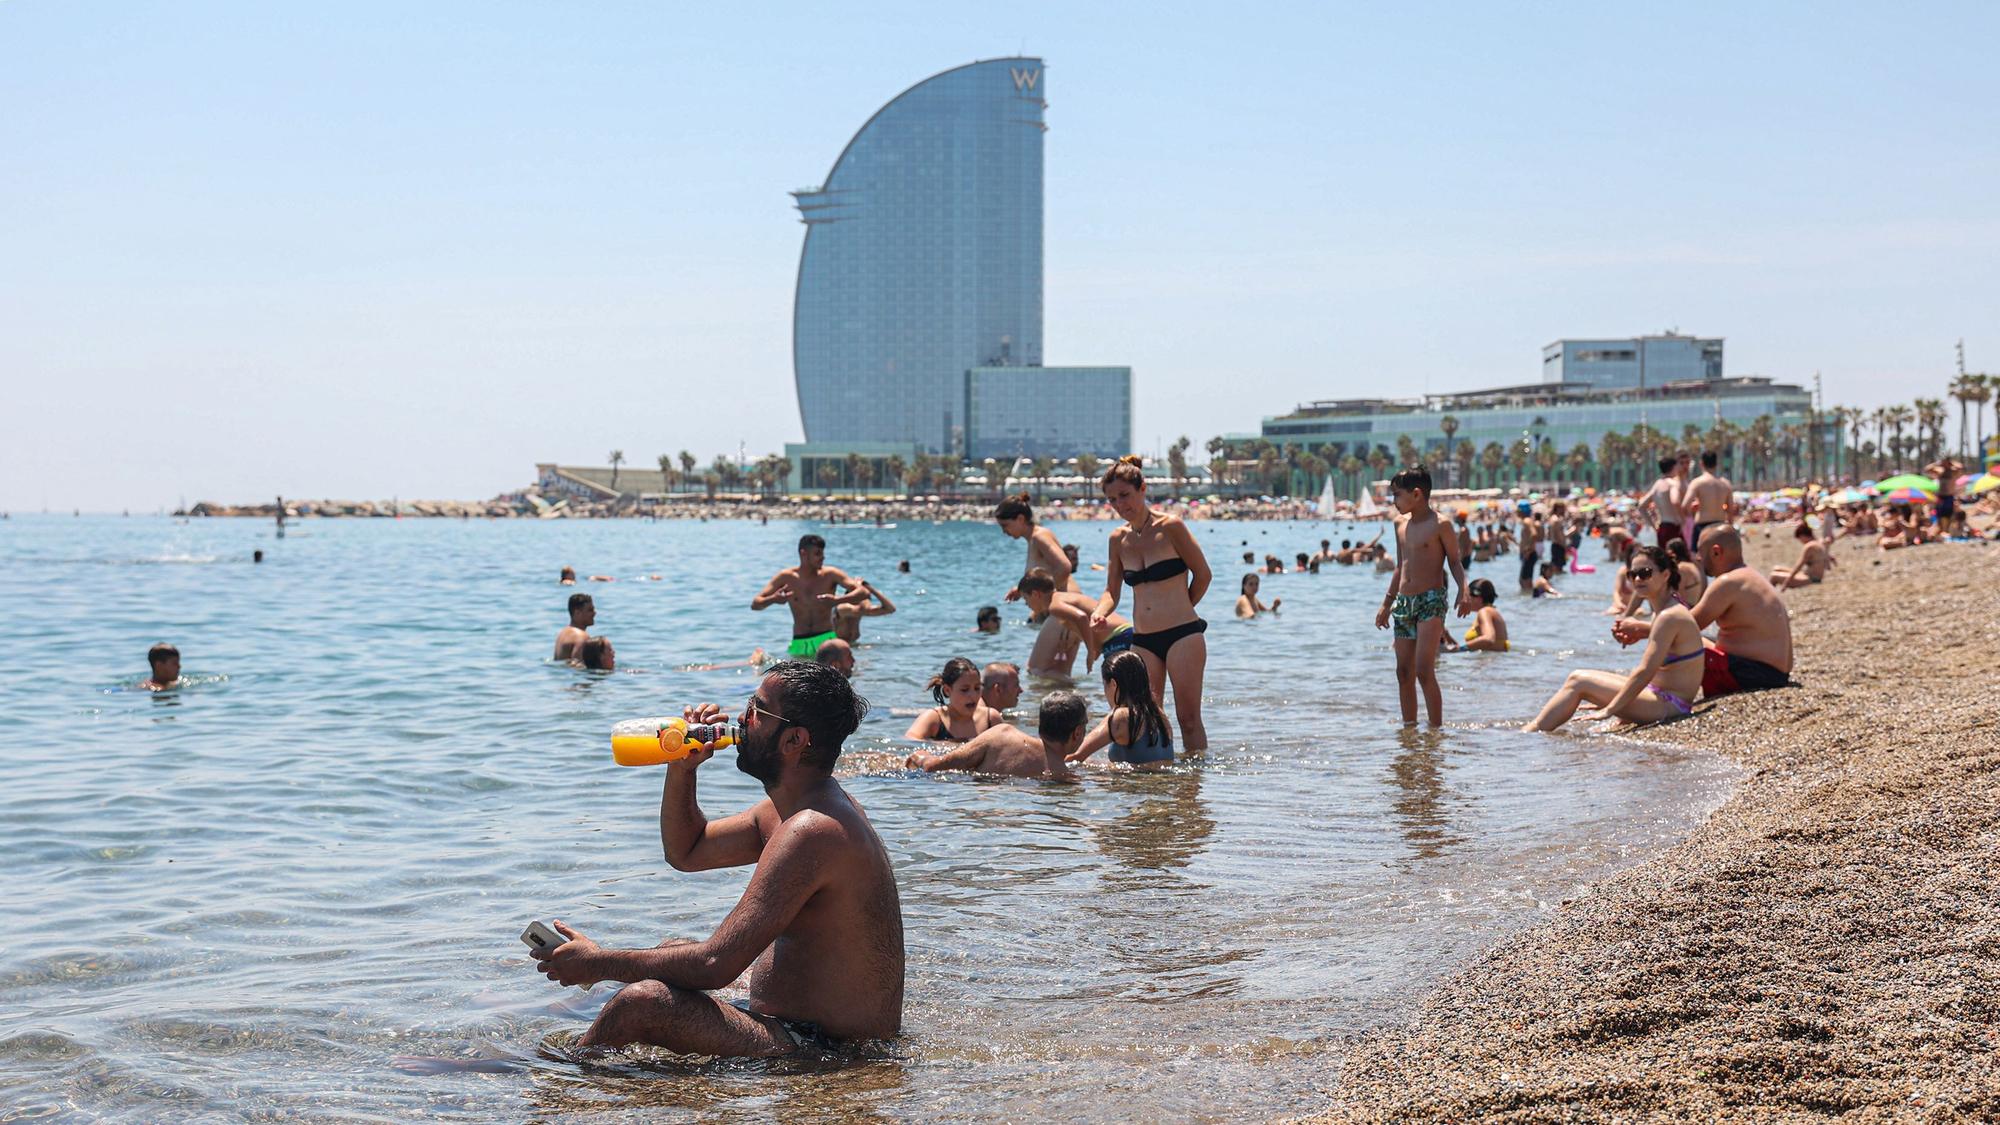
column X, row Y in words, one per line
column 819, row 927
column 582, row 615
column 810, row 590
column 1016, row 753
column 165, row 661
column 837, row 655
column 1753, row 644
column 1000, row 686
column 1814, row 559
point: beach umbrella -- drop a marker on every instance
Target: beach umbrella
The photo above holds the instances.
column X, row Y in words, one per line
column 1867, row 484
column 1792, row 492
column 1909, row 496
column 1907, row 480
column 1983, row 485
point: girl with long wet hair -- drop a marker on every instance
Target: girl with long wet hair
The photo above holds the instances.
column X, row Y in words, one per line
column 1135, row 729
column 1156, row 555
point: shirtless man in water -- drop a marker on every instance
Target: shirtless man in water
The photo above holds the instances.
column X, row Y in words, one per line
column 165, row 662
column 1753, row 644
column 582, row 615
column 1707, row 499
column 1072, row 612
column 819, row 928
column 1014, row 752
column 809, row 589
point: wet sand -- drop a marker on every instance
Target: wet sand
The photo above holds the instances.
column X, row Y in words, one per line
column 1827, row 943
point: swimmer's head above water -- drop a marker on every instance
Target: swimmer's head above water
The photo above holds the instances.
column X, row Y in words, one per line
column 957, row 687
column 1038, row 589
column 568, row 576
column 1412, row 489
column 1482, row 588
column 837, row 655
column 596, row 655
column 165, row 662
column 582, row 611
column 988, row 620
column 812, row 552
column 1000, row 686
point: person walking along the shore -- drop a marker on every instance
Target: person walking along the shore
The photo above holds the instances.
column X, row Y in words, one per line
column 819, row 928
column 1055, row 649
column 809, row 589
column 1150, row 554
column 1664, row 684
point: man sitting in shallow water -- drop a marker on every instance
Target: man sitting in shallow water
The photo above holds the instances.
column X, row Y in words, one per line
column 819, row 928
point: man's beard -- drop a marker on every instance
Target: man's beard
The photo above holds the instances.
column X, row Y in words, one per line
column 759, row 757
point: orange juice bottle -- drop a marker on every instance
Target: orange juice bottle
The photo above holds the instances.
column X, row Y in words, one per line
column 653, row 742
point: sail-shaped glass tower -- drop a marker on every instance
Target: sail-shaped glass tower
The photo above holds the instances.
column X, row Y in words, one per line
column 923, row 259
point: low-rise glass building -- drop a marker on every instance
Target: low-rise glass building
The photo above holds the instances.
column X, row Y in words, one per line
column 1047, row 411
column 1635, row 362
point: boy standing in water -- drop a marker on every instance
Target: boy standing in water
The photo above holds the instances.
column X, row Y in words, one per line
column 1425, row 545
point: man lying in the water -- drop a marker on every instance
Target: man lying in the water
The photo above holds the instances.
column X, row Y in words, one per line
column 1015, row 752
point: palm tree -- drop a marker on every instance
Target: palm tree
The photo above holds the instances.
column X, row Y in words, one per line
column 1611, row 459
column 1857, row 418
column 1546, row 458
column 993, row 474
column 1579, row 456
column 1465, row 456
column 1044, row 468
column 1517, row 459
column 829, row 473
column 1268, row 463
column 1757, row 443
column 1490, row 460
column 1898, row 417
column 1378, row 460
column 1449, row 425
column 1351, row 466
column 617, row 459
column 687, row 466
column 1406, row 451
column 1177, row 462
column 711, row 481
column 1086, row 467
column 894, row 470
column 864, row 473
column 1961, row 392
column 666, row 473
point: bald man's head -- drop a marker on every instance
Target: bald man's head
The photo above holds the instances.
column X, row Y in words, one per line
column 1720, row 550
column 837, row 655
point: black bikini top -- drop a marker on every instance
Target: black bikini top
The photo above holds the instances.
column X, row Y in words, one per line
column 1158, row 572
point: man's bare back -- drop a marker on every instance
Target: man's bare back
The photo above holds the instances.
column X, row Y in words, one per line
column 1005, row 750
column 1710, row 497
column 569, row 642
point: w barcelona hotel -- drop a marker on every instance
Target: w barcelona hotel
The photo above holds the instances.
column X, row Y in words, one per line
column 917, row 319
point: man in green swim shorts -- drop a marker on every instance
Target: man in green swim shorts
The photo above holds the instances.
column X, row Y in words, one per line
column 812, row 589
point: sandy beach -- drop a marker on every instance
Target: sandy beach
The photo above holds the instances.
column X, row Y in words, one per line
column 1827, row 943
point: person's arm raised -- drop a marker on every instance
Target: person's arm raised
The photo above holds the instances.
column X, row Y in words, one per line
column 1197, row 563
column 692, row 842
column 881, row 607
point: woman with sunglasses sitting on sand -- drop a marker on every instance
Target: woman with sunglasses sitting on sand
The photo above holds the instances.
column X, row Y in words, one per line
column 1666, row 681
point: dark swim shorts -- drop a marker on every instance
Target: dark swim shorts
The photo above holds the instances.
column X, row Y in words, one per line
column 804, row 1034
column 1725, row 674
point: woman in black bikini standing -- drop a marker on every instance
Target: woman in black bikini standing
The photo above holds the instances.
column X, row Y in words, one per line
column 1151, row 553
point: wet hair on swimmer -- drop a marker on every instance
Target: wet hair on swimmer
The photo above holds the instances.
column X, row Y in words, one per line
column 1127, row 669
column 1662, row 562
column 578, row 601
column 1249, row 580
column 591, row 654
column 988, row 613
column 1128, row 469
column 1412, row 478
column 1036, row 581
column 819, row 700
column 1015, row 505
column 1482, row 588
column 1063, row 714
column 955, row 669
column 813, row 542
column 161, row 653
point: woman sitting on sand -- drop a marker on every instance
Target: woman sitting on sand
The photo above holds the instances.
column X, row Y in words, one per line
column 1666, row 681
column 1488, row 632
column 1156, row 555
column 959, row 713
column 1136, row 729
column 1247, row 602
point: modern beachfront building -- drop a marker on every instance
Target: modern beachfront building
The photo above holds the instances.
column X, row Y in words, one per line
column 1638, row 361
column 1557, row 416
column 922, row 266
column 1008, row 415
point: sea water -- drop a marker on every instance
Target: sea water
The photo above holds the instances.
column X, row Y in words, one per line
column 294, row 885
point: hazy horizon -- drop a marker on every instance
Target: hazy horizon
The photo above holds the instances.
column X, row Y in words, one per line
column 375, row 251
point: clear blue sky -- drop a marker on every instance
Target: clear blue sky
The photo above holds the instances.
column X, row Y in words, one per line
column 364, row 249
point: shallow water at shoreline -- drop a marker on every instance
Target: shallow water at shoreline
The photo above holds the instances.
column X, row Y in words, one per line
column 262, row 891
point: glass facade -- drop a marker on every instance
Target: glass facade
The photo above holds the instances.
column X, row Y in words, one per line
column 923, row 258
column 1047, row 411
column 1642, row 361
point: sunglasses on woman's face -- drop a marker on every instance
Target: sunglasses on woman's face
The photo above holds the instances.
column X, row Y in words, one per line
column 1641, row 573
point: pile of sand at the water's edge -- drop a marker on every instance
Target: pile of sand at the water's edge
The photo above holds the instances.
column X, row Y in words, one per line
column 1828, row 941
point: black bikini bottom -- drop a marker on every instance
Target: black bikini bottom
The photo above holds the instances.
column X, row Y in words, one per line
column 1162, row 642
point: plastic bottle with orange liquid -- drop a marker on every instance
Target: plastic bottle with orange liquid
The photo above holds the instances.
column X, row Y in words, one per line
column 654, row 742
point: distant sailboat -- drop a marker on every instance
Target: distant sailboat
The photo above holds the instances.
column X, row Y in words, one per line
column 1326, row 499
column 1367, row 509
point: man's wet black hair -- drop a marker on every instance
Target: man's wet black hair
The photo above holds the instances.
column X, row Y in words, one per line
column 578, row 601
column 161, row 653
column 819, row 700
column 1063, row 714
column 810, row 540
column 989, row 613
column 1412, row 477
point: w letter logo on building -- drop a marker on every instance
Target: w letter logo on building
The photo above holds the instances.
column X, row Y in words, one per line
column 1024, row 79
